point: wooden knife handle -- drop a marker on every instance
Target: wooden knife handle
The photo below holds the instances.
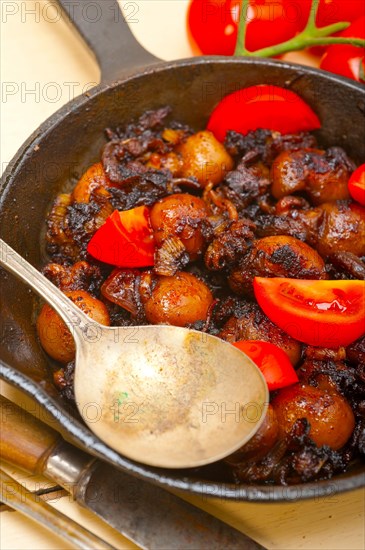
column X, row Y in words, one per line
column 24, row 440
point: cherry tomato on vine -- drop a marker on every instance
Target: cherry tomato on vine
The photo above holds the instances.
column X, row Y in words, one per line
column 272, row 361
column 262, row 106
column 345, row 59
column 357, row 185
column 125, row 239
column 333, row 11
column 213, row 23
column 319, row 313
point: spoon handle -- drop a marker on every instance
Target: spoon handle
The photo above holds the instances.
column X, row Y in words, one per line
column 75, row 319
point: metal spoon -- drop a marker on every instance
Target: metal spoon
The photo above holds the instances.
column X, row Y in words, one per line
column 162, row 395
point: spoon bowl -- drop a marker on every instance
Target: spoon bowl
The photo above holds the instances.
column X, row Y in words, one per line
column 161, row 395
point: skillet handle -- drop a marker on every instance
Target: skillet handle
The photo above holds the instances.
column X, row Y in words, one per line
column 103, row 27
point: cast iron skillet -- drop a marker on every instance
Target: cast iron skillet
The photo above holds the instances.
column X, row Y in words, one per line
column 68, row 142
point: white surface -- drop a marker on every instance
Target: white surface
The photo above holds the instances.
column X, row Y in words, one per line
column 44, row 63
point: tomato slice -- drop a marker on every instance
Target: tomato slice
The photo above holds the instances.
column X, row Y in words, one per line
column 345, row 59
column 262, row 106
column 272, row 361
column 125, row 239
column 357, row 185
column 320, row 313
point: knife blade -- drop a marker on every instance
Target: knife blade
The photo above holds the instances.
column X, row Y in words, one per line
column 146, row 514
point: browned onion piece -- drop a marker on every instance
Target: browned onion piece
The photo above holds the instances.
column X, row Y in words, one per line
column 170, row 257
column 120, row 288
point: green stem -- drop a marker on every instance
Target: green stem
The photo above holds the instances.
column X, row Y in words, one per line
column 310, row 36
column 330, row 29
column 311, row 23
column 242, row 27
column 299, row 42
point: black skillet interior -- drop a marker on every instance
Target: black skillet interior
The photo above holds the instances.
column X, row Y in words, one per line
column 65, row 145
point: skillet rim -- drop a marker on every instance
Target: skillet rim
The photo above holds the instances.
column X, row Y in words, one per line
column 78, row 101
column 71, row 427
column 228, row 491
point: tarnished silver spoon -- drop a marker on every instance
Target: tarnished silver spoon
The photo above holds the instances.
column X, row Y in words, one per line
column 162, row 395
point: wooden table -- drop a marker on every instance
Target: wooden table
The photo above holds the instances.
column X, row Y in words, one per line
column 44, row 66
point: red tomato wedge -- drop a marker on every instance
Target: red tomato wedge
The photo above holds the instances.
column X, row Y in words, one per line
column 262, row 106
column 357, row 185
column 125, row 239
column 272, row 361
column 319, row 313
